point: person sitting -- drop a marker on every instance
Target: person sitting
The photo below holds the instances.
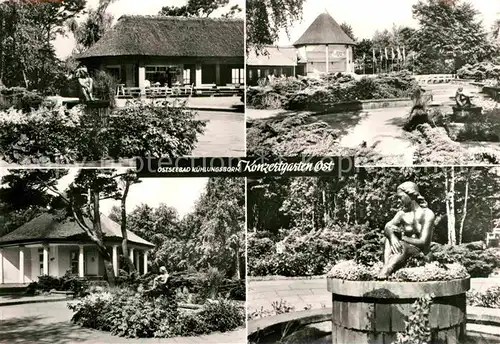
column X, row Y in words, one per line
column 461, row 99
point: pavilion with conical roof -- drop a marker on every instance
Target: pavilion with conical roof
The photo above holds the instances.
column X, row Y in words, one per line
column 323, row 48
column 326, row 48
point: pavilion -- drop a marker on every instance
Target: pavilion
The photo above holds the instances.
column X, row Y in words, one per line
column 322, row 49
column 52, row 245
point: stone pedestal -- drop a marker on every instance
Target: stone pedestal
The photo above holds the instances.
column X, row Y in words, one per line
column 466, row 114
column 374, row 311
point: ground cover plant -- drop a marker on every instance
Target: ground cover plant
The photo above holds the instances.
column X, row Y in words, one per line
column 308, row 93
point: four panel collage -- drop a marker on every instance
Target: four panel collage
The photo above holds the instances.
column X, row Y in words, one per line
column 250, row 171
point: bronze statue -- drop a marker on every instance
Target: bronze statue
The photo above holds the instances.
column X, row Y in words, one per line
column 461, row 99
column 86, row 84
column 418, row 113
column 409, row 232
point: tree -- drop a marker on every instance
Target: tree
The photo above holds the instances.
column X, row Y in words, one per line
column 90, row 31
column 450, row 30
column 27, row 56
column 265, row 19
column 348, row 31
column 200, row 8
column 126, row 180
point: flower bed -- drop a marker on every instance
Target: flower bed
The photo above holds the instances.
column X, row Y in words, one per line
column 352, row 271
column 126, row 313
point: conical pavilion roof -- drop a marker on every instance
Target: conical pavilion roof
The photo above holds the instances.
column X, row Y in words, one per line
column 324, row 30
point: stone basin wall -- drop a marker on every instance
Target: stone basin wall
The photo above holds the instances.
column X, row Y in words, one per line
column 374, row 311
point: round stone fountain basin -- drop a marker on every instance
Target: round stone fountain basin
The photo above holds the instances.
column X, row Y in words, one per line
column 374, row 311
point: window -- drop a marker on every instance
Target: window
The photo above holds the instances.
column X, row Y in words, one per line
column 74, row 261
column 186, row 76
column 40, row 257
column 258, row 73
column 114, row 71
column 164, row 75
column 237, row 76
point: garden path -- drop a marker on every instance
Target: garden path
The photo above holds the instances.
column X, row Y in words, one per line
column 49, row 323
column 311, row 292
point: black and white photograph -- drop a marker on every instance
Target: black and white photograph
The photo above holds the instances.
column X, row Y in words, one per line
column 411, row 82
column 384, row 255
column 96, row 83
column 102, row 256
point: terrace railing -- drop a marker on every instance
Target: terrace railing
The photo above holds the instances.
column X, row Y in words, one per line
column 185, row 90
column 435, row 78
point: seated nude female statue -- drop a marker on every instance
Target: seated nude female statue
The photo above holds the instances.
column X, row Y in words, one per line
column 409, row 232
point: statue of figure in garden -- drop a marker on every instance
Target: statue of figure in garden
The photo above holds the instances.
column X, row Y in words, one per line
column 462, row 99
column 161, row 279
column 86, row 84
column 409, row 233
column 418, row 113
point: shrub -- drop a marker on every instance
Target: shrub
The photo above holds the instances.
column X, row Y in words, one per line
column 19, row 98
column 311, row 93
column 59, row 135
column 126, row 313
column 104, row 87
column 478, row 263
column 222, row 315
column 479, row 71
column 484, row 128
column 489, row 298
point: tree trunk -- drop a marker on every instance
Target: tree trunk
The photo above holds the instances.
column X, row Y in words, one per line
column 238, row 273
column 123, row 226
column 464, row 211
column 108, row 265
column 450, row 207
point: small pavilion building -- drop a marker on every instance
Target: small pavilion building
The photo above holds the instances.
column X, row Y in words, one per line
column 143, row 50
column 323, row 48
column 49, row 245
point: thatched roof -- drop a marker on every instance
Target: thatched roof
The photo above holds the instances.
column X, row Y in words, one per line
column 324, row 30
column 273, row 56
column 48, row 227
column 171, row 36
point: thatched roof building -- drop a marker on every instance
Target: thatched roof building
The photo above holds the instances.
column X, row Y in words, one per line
column 171, row 36
column 324, row 30
column 168, row 50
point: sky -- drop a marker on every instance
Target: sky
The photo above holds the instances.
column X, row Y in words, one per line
column 65, row 45
column 179, row 193
column 367, row 16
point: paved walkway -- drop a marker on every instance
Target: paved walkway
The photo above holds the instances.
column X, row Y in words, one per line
column 311, row 293
column 208, row 103
column 49, row 323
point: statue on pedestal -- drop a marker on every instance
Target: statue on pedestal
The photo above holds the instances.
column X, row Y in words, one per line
column 409, row 233
column 462, row 100
column 418, row 113
column 85, row 83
